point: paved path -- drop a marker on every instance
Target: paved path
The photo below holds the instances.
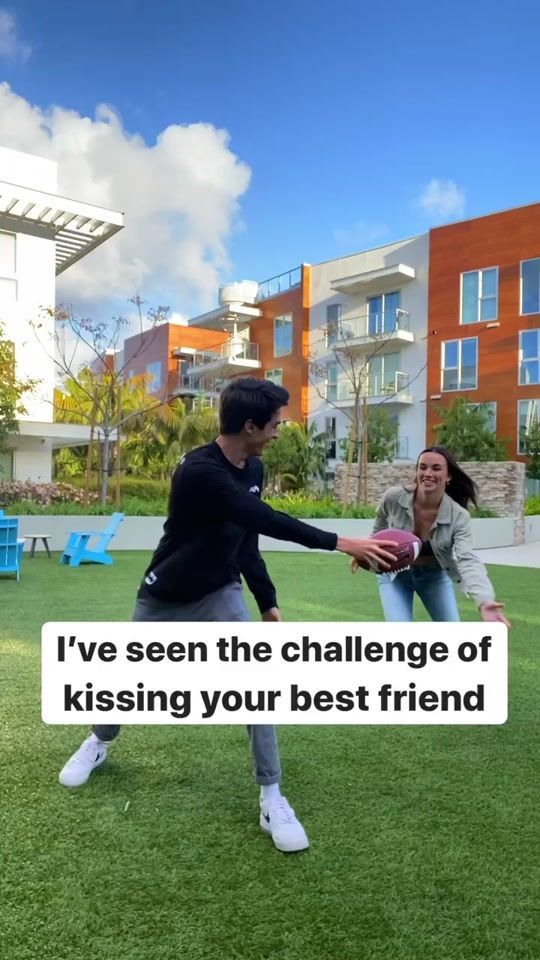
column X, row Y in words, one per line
column 526, row 555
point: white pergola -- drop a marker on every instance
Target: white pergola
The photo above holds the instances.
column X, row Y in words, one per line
column 77, row 228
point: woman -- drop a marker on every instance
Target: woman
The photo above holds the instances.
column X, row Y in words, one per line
column 435, row 509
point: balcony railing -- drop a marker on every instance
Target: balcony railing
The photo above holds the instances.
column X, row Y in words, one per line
column 280, row 284
column 378, row 386
column 234, row 350
column 367, row 325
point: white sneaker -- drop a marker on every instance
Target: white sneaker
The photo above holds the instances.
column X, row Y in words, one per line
column 90, row 755
column 279, row 820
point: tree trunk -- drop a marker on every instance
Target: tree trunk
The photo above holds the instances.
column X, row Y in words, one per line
column 118, row 458
column 361, row 491
column 105, row 465
column 350, row 456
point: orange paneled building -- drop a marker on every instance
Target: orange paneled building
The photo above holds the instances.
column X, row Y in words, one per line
column 484, row 319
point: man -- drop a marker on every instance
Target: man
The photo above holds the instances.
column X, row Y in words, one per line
column 210, row 539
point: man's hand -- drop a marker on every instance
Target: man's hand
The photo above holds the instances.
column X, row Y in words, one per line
column 372, row 551
column 491, row 612
column 272, row 615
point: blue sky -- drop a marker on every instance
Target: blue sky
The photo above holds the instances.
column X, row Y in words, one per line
column 344, row 112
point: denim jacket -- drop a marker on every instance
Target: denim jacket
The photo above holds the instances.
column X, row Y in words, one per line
column 451, row 539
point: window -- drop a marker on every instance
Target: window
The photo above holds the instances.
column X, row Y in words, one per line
column 530, row 286
column 383, row 313
column 283, row 335
column 332, row 381
column 7, row 254
column 490, row 406
column 154, row 369
column 382, row 374
column 479, row 295
column 529, row 357
column 333, row 320
column 276, row 376
column 460, row 364
column 330, row 431
column 528, row 415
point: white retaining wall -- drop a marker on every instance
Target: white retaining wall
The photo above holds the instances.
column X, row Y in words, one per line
column 143, row 533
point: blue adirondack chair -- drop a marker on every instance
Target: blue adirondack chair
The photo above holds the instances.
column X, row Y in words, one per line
column 77, row 550
column 11, row 546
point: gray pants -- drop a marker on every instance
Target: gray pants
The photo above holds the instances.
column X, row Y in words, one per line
column 222, row 605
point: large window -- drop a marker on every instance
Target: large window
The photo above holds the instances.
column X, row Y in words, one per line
column 528, row 415
column 459, row 364
column 283, row 335
column 383, row 313
column 530, row 286
column 490, row 407
column 529, row 357
column 333, row 318
column 480, row 295
column 382, row 374
column 154, row 369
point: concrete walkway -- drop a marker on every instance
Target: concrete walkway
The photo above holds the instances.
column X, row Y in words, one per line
column 526, row 555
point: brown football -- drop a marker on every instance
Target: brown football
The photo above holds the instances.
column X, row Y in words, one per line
column 409, row 546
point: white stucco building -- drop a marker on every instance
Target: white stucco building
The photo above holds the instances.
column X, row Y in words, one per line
column 41, row 235
column 369, row 311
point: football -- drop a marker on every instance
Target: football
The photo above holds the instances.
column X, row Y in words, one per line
column 408, row 549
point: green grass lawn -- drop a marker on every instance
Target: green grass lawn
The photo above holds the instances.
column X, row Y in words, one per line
column 423, row 838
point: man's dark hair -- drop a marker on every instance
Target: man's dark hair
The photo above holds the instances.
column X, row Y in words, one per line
column 249, row 399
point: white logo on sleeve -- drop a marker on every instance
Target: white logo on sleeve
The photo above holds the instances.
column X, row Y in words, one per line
column 151, row 578
column 255, row 489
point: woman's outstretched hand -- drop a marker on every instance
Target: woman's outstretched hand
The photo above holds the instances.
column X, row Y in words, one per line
column 491, row 611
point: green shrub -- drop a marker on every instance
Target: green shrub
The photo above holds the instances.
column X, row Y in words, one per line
column 478, row 513
column 532, row 506
column 139, row 507
column 141, row 487
column 307, row 507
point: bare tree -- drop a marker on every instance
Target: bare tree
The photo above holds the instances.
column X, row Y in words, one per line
column 96, row 385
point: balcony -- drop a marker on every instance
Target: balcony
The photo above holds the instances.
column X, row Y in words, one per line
column 282, row 283
column 235, row 357
column 375, row 282
column 371, row 332
column 392, row 391
column 197, row 386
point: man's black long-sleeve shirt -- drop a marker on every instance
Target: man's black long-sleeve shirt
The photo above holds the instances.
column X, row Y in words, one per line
column 211, row 533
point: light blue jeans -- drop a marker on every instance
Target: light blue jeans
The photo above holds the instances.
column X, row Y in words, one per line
column 433, row 586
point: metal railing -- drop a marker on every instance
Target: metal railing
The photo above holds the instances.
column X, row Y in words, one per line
column 280, row 284
column 237, row 349
column 378, row 386
column 367, row 325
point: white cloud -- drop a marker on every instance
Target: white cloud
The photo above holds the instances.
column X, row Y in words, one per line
column 11, row 46
column 442, row 198
column 180, row 197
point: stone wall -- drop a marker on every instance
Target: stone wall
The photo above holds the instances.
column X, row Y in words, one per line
column 502, row 485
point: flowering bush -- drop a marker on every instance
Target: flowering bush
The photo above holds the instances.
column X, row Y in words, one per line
column 14, row 491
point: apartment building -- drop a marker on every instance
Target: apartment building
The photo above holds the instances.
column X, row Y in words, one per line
column 42, row 234
column 484, row 319
column 368, row 329
column 164, row 354
column 264, row 331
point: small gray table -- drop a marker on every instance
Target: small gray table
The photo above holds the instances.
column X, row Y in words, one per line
column 34, row 537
